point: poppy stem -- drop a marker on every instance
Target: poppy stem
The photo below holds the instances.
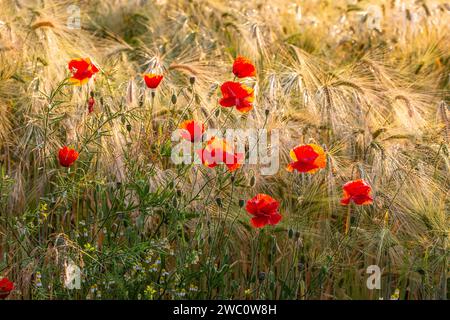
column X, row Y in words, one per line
column 347, row 220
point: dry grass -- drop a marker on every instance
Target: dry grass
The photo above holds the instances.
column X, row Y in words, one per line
column 373, row 93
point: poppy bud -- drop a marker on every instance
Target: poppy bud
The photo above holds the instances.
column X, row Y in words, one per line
column 217, row 113
column 267, row 112
column 219, row 202
column 290, row 233
column 241, row 203
column 128, row 127
column 91, row 103
column 174, row 99
column 252, row 181
column 179, row 192
column 175, row 202
column 262, row 276
column 192, row 80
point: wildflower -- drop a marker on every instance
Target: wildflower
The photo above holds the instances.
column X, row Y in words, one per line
column 248, row 292
column 395, row 295
column 237, row 94
column 164, row 273
column 153, row 267
column 357, row 191
column 264, row 208
column 181, row 293
column 89, row 248
column 82, row 70
column 193, row 288
column 149, row 292
column 307, row 158
column 243, row 67
column 38, row 280
column 218, row 151
column 192, row 130
column 6, row 286
column 67, row 156
column 153, row 80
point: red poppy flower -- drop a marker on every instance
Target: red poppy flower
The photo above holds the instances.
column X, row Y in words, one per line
column 67, row 156
column 192, row 130
column 264, row 209
column 218, row 151
column 307, row 158
column 91, row 102
column 82, row 70
column 6, row 287
column 243, row 67
column 357, row 191
column 153, row 80
column 237, row 94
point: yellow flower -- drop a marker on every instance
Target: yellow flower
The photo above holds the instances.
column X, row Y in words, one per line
column 89, row 248
column 149, row 292
column 396, row 295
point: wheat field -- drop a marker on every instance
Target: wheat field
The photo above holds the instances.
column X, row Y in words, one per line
column 366, row 81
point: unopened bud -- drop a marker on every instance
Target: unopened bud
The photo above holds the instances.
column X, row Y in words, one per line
column 290, row 233
column 192, row 80
column 262, row 276
column 174, row 99
column 91, row 103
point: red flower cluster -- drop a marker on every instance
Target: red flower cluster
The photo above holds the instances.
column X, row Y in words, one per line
column 67, row 156
column 236, row 93
column 307, row 158
column 82, row 70
column 192, row 130
column 152, row 80
column 264, row 210
column 6, row 286
column 357, row 191
column 218, row 151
